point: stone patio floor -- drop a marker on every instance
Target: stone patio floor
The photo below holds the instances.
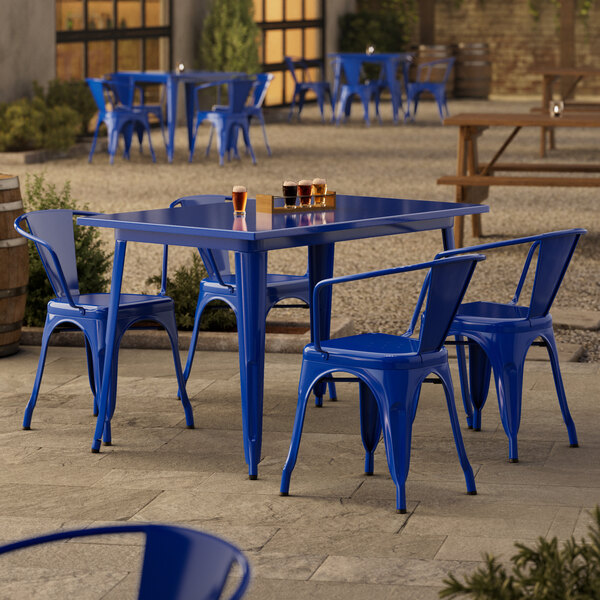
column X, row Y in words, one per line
column 336, row 536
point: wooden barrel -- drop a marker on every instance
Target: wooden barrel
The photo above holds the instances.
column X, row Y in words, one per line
column 473, row 78
column 14, row 266
column 428, row 53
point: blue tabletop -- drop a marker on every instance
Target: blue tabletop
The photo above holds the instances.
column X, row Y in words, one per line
column 354, row 217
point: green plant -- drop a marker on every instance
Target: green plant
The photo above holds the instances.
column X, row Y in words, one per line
column 183, row 288
column 93, row 262
column 31, row 124
column 75, row 94
column 386, row 24
column 547, row 571
column 229, row 40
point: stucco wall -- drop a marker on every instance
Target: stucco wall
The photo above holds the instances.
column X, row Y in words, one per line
column 517, row 42
column 333, row 10
column 27, row 46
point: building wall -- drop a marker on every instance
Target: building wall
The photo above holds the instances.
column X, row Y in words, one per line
column 333, row 10
column 517, row 42
column 27, row 46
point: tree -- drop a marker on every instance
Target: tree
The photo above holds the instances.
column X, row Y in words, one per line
column 230, row 37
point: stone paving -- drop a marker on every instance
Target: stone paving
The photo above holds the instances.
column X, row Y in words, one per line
column 336, row 536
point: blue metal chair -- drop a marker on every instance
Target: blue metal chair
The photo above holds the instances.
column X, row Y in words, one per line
column 351, row 68
column 423, row 83
column 220, row 285
column 178, row 564
column 225, row 120
column 263, row 81
column 319, row 88
column 52, row 232
column 118, row 119
column 390, row 369
column 500, row 335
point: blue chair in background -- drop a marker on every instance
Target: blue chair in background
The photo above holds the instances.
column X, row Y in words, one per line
column 390, row 369
column 423, row 83
column 52, row 233
column 220, row 285
column 225, row 120
column 254, row 110
column 119, row 119
column 500, row 335
column 178, row 563
column 351, row 67
column 319, row 88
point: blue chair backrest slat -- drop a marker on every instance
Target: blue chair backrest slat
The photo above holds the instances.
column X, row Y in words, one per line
column 238, row 91
column 97, row 88
column 290, row 64
column 352, row 71
column 447, row 284
column 263, row 80
column 56, row 228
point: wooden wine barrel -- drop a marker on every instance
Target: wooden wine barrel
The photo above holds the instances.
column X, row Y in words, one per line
column 473, row 78
column 14, row 266
column 428, row 53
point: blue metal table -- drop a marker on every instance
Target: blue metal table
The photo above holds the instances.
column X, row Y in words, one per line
column 389, row 63
column 251, row 237
column 127, row 80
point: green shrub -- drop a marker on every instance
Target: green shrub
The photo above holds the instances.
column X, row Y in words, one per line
column 386, row 24
column 229, row 40
column 547, row 571
column 75, row 94
column 93, row 262
column 31, row 124
column 183, row 288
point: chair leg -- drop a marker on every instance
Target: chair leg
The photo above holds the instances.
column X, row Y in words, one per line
column 370, row 425
column 262, row 122
column 38, row 376
column 93, row 148
column 292, row 106
column 444, row 374
column 320, row 102
column 480, row 370
column 365, row 102
column 464, row 380
column 560, row 389
column 304, row 388
column 194, row 340
column 147, row 128
column 301, row 96
column 91, row 374
column 246, row 135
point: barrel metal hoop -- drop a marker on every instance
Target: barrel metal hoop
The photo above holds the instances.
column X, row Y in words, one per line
column 12, row 292
column 9, row 349
column 18, row 204
column 13, row 242
column 9, row 183
column 8, row 327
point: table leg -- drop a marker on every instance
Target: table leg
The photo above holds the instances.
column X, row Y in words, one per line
column 171, row 86
column 547, row 83
column 189, row 111
column 111, row 326
column 251, row 282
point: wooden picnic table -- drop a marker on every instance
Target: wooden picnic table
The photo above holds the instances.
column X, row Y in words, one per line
column 472, row 179
column 550, row 75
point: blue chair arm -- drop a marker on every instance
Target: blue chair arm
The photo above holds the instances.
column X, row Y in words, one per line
column 321, row 285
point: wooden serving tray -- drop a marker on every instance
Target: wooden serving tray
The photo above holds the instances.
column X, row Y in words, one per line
column 265, row 203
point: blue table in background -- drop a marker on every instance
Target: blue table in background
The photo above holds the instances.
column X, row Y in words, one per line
column 127, row 80
column 250, row 238
column 389, row 62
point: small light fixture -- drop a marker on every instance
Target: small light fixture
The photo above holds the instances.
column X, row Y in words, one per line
column 180, row 68
column 556, row 108
column 370, row 49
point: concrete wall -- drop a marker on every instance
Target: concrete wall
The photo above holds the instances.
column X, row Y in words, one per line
column 187, row 26
column 27, row 46
column 333, row 10
column 517, row 42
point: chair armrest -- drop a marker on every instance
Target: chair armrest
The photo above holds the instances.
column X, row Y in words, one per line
column 321, row 285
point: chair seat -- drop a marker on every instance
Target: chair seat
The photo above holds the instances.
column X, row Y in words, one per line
column 376, row 350
column 497, row 318
column 99, row 303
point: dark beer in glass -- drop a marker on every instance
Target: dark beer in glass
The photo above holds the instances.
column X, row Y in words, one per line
column 290, row 191
column 305, row 191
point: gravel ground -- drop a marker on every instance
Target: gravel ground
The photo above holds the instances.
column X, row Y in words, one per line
column 384, row 160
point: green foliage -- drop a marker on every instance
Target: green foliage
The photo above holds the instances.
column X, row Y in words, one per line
column 31, row 124
column 547, row 571
column 183, row 288
column 582, row 8
column 387, row 25
column 230, row 37
column 93, row 262
column 74, row 94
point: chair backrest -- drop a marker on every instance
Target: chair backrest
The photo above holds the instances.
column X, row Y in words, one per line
column 52, row 232
column 238, row 91
column 425, row 70
column 290, row 63
column 178, row 564
column 216, row 262
column 263, row 81
column 104, row 92
column 352, row 68
column 554, row 251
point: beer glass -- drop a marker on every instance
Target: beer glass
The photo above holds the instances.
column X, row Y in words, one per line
column 239, row 197
column 304, row 191
column 290, row 191
column 319, row 189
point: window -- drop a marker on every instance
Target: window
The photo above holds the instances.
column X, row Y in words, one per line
column 289, row 28
column 95, row 37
